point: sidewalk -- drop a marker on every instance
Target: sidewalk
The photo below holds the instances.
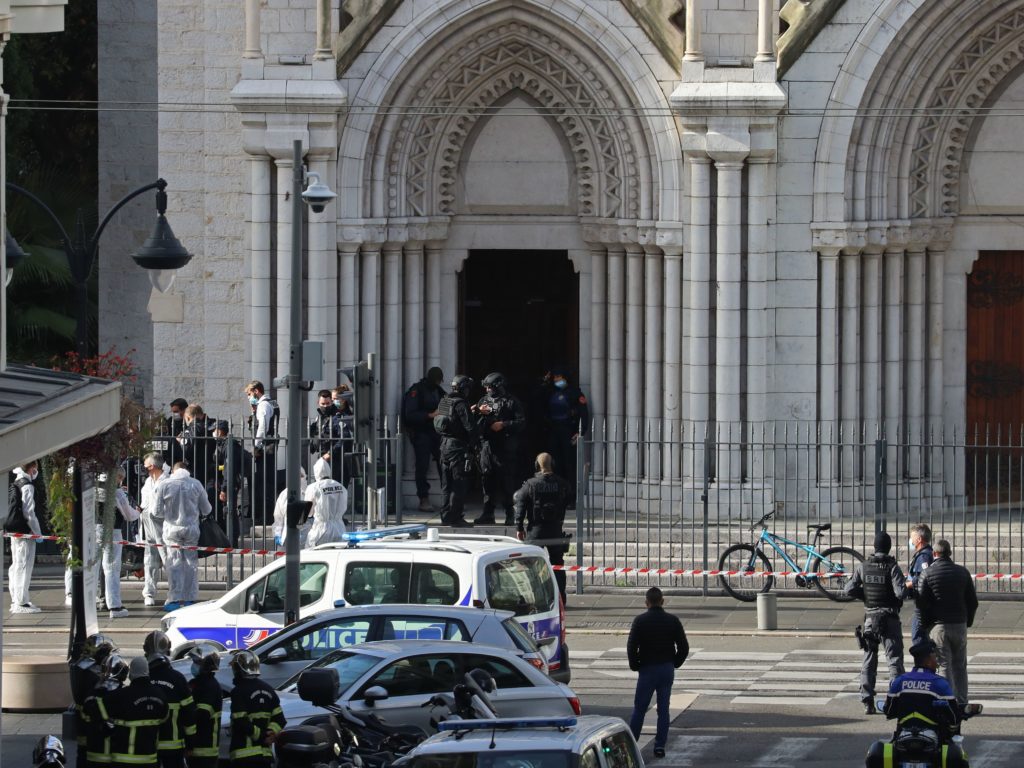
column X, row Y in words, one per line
column 608, row 611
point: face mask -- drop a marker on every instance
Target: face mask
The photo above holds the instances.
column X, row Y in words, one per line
column 195, row 670
column 561, row 383
column 33, row 475
column 337, row 403
column 176, row 416
column 910, row 544
column 253, row 400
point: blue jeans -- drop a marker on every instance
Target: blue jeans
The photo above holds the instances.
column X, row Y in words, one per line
column 654, row 678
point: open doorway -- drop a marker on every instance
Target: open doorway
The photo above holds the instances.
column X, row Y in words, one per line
column 519, row 314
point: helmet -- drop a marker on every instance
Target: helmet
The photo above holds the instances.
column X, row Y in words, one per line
column 115, row 668
column 98, row 647
column 462, row 384
column 209, row 662
column 245, row 664
column 156, row 643
column 48, row 752
column 495, row 381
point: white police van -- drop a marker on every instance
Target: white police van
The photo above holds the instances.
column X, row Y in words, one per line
column 400, row 564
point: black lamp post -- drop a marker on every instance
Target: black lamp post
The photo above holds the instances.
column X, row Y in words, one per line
column 161, row 254
column 14, row 256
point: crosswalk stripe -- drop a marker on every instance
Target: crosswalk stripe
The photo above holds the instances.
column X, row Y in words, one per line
column 789, row 751
column 782, row 701
column 688, row 750
column 991, row 753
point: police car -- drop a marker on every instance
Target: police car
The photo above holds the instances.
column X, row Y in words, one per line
column 590, row 741
column 400, row 564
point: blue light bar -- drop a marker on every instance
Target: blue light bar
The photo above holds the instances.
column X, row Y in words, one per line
column 355, row 537
column 507, row 724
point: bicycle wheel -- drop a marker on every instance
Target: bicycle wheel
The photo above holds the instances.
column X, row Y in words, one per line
column 743, row 558
column 841, row 560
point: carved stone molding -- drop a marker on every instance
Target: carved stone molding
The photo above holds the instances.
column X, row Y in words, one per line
column 427, row 144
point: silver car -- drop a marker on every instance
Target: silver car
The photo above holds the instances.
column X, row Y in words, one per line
column 283, row 654
column 394, row 679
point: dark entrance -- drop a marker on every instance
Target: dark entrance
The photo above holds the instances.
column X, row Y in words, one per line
column 519, row 314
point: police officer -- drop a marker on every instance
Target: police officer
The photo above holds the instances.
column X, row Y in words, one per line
column 181, row 721
column 502, row 421
column 921, row 557
column 325, row 433
column 419, row 407
column 86, row 674
column 880, row 583
column 204, row 744
column 240, row 464
column 94, row 713
column 566, row 419
column 256, row 716
column 460, row 437
column 540, row 513
column 134, row 715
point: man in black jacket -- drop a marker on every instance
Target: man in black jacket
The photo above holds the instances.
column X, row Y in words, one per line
column 948, row 602
column 419, row 407
column 460, row 438
column 879, row 582
column 656, row 647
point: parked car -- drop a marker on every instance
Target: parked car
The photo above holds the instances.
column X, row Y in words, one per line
column 393, row 679
column 283, row 654
column 402, row 564
column 592, row 741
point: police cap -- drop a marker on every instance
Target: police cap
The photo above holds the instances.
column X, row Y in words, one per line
column 923, row 649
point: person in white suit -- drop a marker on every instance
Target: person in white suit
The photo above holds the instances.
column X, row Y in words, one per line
column 180, row 501
column 330, row 500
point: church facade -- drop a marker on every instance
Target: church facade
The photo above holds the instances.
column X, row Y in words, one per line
column 713, row 211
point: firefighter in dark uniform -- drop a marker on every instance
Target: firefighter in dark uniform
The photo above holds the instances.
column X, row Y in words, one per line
column 204, row 745
column 86, row 674
column 94, row 715
column 566, row 419
column 134, row 715
column 502, row 421
column 540, row 513
column 181, row 722
column 256, row 716
column 880, row 583
column 419, row 407
column 460, row 438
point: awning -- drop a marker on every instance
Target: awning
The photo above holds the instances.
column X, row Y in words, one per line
column 42, row 411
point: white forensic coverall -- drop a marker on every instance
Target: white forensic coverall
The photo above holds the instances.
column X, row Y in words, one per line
column 23, row 551
column 110, row 562
column 153, row 558
column 281, row 514
column 330, row 500
column 180, row 500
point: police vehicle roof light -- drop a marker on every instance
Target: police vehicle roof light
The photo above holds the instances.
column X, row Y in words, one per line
column 507, row 724
column 355, row 537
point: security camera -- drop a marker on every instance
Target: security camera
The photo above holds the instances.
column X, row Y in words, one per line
column 317, row 195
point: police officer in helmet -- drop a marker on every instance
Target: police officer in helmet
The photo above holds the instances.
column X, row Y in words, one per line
column 419, row 407
column 540, row 513
column 256, row 716
column 460, row 437
column 502, row 421
column 880, row 583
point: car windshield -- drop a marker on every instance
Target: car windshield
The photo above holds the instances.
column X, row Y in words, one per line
column 517, row 759
column 351, row 666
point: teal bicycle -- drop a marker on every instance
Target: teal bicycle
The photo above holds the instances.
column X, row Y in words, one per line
column 837, row 563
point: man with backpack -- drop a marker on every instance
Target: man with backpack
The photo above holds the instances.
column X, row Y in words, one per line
column 21, row 518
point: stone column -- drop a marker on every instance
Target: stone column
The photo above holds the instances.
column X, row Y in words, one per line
column 760, row 209
column 616, row 393
column 432, row 283
column 369, row 300
column 413, row 314
column 936, row 280
column 916, row 396
column 728, row 315
column 598, row 346
column 871, row 369
column 391, row 338
column 699, row 312
column 893, row 335
column 348, row 295
column 260, row 308
column 828, row 360
column 694, row 52
column 765, row 31
column 634, row 350
column 252, row 30
column 453, row 263
column 849, row 349
column 322, row 281
column 653, row 410
column 284, row 265
column 672, row 370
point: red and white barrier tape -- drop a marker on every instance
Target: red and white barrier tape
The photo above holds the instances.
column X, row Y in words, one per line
column 595, row 569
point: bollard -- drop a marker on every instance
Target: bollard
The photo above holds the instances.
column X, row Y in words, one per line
column 767, row 611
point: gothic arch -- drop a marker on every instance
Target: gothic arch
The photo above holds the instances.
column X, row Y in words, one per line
column 442, row 80
column 904, row 105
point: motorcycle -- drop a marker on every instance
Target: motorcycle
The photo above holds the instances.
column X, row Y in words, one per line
column 48, row 753
column 919, row 745
column 469, row 700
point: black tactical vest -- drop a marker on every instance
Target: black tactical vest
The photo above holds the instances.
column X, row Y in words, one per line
column 878, row 589
column 546, row 497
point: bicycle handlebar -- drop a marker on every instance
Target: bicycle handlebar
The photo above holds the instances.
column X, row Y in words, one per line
column 762, row 522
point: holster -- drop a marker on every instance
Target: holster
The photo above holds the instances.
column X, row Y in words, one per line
column 859, row 634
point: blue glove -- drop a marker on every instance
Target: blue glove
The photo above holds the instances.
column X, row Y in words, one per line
column 277, row 541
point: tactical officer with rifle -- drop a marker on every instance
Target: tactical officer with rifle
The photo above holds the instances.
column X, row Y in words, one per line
column 540, row 513
column 460, row 439
column 502, row 421
column 880, row 583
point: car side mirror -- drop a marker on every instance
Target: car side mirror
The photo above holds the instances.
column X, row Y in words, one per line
column 319, row 686
column 374, row 694
column 254, row 604
column 277, row 655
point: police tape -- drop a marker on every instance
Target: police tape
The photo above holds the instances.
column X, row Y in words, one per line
column 600, row 570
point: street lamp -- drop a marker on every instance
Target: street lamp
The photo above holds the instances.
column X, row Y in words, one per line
column 160, row 254
column 14, row 256
column 317, row 196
